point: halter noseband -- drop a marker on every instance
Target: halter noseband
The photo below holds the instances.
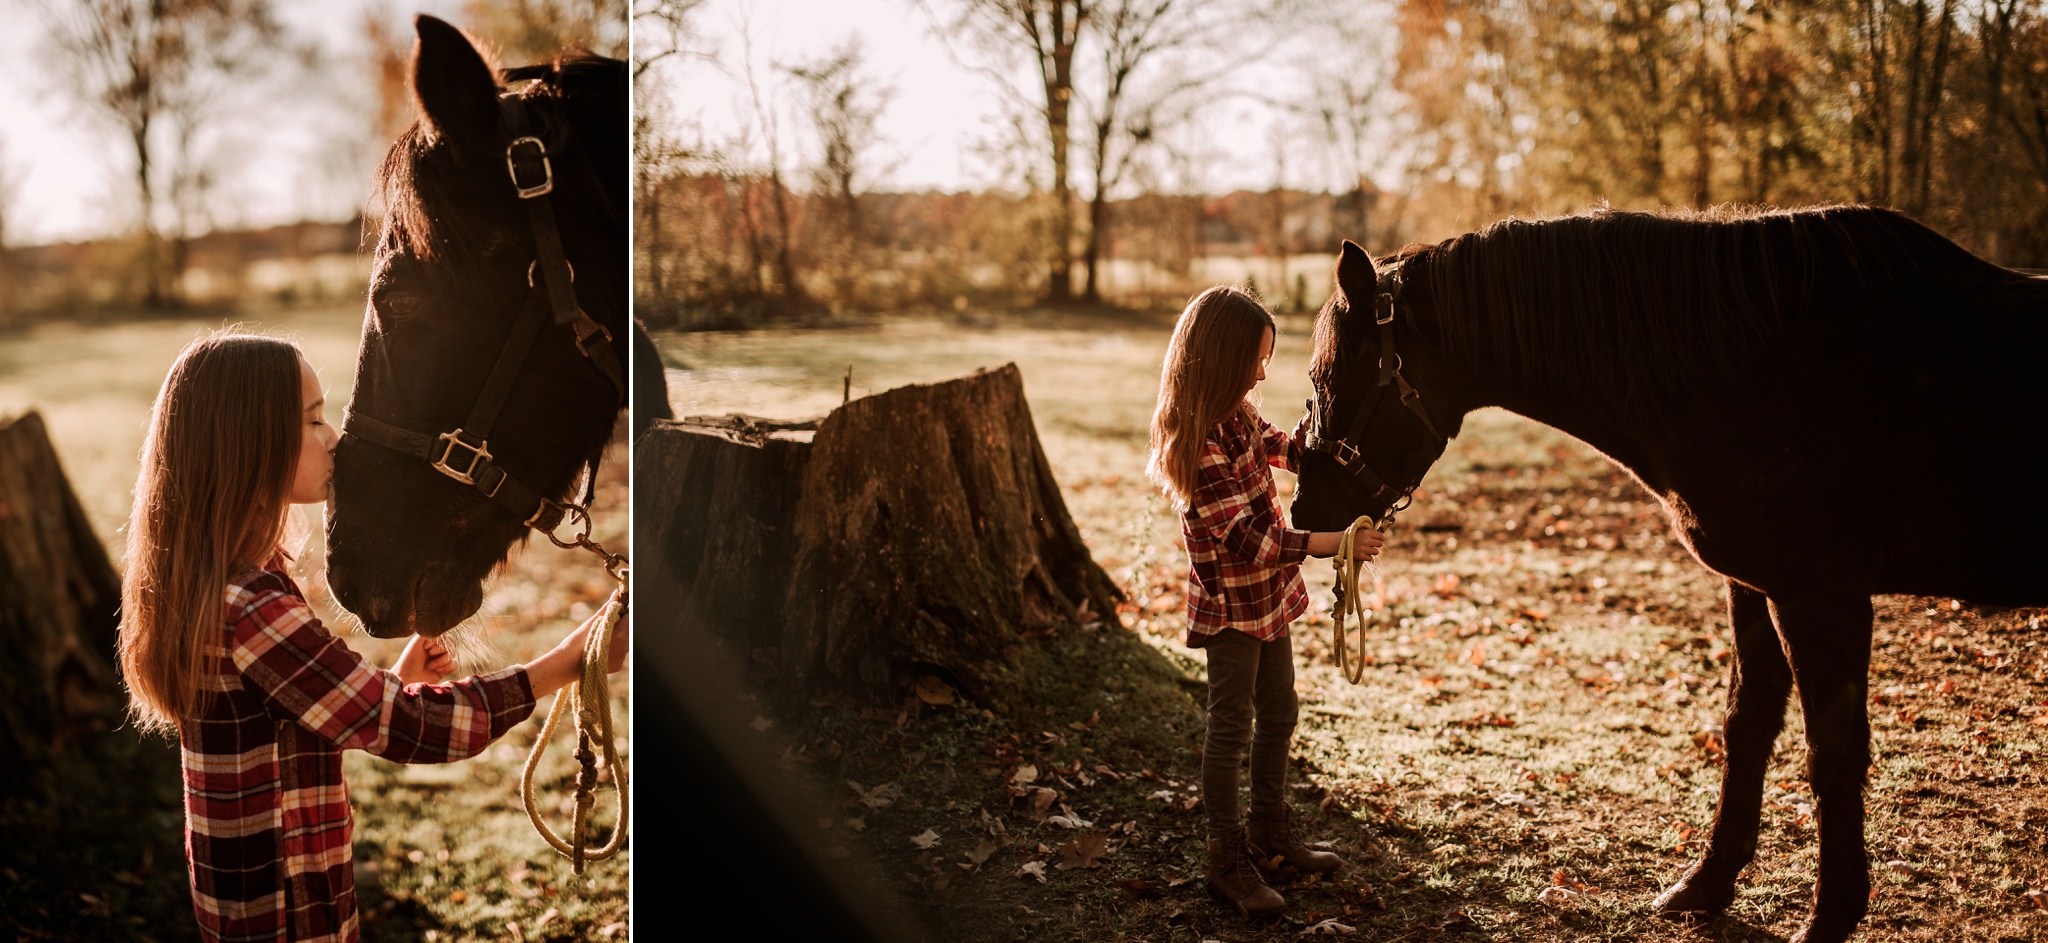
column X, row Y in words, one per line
column 1344, row 450
column 464, row 453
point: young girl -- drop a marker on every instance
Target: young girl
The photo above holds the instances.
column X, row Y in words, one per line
column 1212, row 454
column 219, row 647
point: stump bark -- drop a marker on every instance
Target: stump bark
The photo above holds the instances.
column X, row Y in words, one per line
column 919, row 529
column 59, row 602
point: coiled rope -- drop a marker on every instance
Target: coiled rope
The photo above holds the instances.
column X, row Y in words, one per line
column 592, row 696
column 1350, row 600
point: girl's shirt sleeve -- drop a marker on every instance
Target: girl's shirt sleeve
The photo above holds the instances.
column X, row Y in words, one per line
column 1281, row 449
column 303, row 674
column 1225, row 509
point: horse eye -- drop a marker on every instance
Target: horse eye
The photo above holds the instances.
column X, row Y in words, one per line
column 398, row 304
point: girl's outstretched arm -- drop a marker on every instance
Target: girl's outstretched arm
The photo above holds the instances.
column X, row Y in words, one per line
column 304, row 674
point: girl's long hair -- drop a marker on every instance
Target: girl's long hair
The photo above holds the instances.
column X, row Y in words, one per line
column 1210, row 365
column 210, row 502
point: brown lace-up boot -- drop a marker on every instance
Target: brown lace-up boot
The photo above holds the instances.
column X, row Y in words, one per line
column 1273, row 847
column 1234, row 879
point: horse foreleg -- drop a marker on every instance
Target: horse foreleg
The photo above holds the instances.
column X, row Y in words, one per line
column 1758, row 683
column 1828, row 640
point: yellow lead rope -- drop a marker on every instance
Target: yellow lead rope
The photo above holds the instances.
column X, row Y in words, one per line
column 1350, row 600
column 592, row 695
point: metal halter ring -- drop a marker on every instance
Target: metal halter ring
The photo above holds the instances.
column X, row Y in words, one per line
column 575, row 513
column 530, row 266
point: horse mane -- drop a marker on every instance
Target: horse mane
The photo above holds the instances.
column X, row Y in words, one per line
column 422, row 208
column 1644, row 305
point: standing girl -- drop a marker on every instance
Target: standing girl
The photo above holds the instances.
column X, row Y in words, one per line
column 219, row 647
column 1212, row 453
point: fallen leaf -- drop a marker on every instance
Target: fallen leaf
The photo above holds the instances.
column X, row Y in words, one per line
column 2039, row 899
column 925, row 839
column 1033, row 869
column 983, row 851
column 2040, row 720
column 1329, row 927
column 1557, row 896
column 761, row 724
column 1084, row 852
column 1041, row 800
column 933, row 689
column 1444, row 850
column 1025, row 775
column 1140, row 888
column 1902, row 867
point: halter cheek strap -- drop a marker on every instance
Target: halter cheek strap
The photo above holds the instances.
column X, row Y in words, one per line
column 1344, row 449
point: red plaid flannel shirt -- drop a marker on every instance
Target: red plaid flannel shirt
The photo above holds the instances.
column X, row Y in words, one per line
column 1244, row 562
column 267, row 823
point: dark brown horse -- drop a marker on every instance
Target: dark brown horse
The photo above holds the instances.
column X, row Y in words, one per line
column 1830, row 403
column 467, row 293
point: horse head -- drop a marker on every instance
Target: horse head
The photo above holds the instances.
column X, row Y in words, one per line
column 1372, row 433
column 463, row 313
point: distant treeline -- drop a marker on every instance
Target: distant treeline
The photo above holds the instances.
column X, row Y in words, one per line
column 712, row 250
column 1467, row 110
column 300, row 262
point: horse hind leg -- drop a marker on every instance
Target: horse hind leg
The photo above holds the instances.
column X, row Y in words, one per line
column 1759, row 682
column 1827, row 637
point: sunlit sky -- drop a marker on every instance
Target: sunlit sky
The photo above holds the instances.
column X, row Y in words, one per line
column 295, row 151
column 296, row 148
column 942, row 109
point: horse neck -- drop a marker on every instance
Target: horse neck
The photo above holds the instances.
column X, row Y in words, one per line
column 1478, row 378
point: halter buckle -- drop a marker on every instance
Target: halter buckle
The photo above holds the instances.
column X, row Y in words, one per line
column 1383, row 308
column 586, row 328
column 547, row 170
column 479, row 454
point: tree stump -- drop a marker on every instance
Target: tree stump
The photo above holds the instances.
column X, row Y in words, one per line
column 920, row 529
column 59, row 602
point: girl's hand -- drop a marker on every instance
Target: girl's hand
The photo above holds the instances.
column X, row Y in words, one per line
column 1366, row 544
column 564, row 663
column 424, row 661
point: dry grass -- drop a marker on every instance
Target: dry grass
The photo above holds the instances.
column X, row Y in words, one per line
column 442, row 852
column 1548, row 670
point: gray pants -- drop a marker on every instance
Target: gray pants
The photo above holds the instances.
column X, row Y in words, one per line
column 1248, row 680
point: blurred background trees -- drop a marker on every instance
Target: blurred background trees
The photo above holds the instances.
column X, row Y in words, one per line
column 1391, row 122
column 170, row 154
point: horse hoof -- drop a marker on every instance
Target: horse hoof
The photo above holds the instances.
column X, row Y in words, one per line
column 1690, row 897
column 1827, row 930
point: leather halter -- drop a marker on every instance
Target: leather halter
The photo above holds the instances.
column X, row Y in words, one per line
column 1344, row 449
column 464, row 453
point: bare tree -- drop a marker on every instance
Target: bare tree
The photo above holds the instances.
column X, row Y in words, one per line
column 843, row 104
column 155, row 69
column 664, row 31
column 1047, row 32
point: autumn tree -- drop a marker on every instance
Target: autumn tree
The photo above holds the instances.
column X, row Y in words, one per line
column 159, row 72
column 535, row 30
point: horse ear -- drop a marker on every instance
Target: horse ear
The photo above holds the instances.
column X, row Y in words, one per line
column 455, row 87
column 1356, row 276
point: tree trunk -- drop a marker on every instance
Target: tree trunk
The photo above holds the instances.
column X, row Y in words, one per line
column 715, row 500
column 59, row 603
column 920, row 530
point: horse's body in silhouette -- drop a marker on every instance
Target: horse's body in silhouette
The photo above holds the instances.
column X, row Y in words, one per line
column 1830, row 403
column 409, row 546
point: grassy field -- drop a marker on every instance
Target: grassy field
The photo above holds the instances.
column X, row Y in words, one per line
column 442, row 852
column 1546, row 676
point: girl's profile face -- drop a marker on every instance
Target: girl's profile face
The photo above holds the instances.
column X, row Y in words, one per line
column 315, row 471
column 1265, row 354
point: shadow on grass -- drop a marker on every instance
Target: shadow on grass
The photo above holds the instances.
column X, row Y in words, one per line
column 92, row 843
